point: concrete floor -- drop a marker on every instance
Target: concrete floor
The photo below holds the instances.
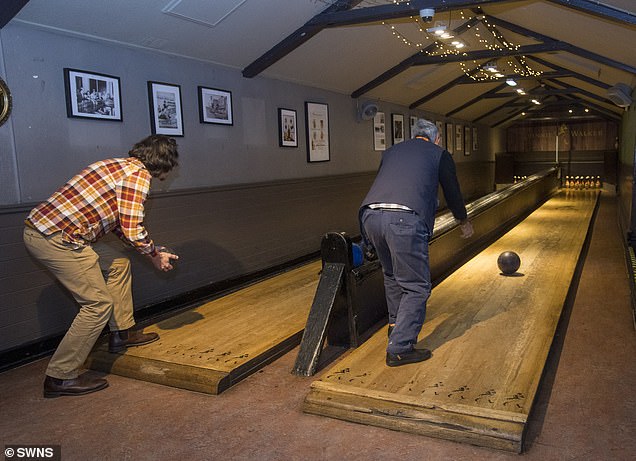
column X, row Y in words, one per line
column 585, row 410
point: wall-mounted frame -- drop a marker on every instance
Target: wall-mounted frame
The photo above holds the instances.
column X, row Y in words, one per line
column 166, row 115
column 215, row 106
column 5, row 102
column 412, row 122
column 397, row 128
column 287, row 128
column 92, row 95
column 440, row 131
column 475, row 143
column 450, row 134
column 317, row 122
column 379, row 132
column 459, row 139
column 467, row 141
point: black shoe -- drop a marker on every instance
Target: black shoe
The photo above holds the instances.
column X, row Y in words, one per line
column 120, row 340
column 83, row 384
column 413, row 356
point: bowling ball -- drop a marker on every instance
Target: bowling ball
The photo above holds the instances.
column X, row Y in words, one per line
column 358, row 256
column 508, row 262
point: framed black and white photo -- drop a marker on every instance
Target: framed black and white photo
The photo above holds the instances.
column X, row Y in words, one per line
column 287, row 126
column 166, row 115
column 475, row 143
column 317, row 120
column 379, row 132
column 459, row 138
column 440, row 131
column 215, row 106
column 467, row 142
column 412, row 122
column 92, row 95
column 397, row 125
column 449, row 137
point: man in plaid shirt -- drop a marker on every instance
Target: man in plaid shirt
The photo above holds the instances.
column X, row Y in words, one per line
column 107, row 196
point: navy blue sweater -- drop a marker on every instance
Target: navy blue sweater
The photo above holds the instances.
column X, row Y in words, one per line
column 409, row 175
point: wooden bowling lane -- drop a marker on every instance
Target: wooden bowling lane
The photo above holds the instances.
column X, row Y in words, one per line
column 211, row 347
column 490, row 336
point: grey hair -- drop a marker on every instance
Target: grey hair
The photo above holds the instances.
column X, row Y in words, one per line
column 426, row 128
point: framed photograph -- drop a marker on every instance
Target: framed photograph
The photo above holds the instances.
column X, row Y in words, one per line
column 215, row 106
column 92, row 95
column 379, row 133
column 166, row 116
column 440, row 130
column 459, row 138
column 317, row 118
column 475, row 143
column 412, row 122
column 397, row 124
column 449, row 137
column 467, row 142
column 287, row 135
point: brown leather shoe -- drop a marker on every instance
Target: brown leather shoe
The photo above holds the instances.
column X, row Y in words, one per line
column 120, row 340
column 83, row 384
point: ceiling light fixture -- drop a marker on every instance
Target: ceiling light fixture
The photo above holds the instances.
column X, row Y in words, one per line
column 511, row 82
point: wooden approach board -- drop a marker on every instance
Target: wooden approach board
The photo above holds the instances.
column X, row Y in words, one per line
column 490, row 335
column 211, row 347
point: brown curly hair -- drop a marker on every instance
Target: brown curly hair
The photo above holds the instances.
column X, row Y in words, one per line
column 157, row 152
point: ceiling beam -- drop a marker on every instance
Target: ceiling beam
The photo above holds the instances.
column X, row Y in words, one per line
column 393, row 11
column 559, row 74
column 440, row 90
column 585, row 78
column 598, row 9
column 490, row 54
column 294, row 40
column 408, row 62
column 9, row 9
column 477, row 99
column 582, row 92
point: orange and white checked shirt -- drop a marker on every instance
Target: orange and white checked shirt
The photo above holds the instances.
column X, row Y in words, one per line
column 106, row 196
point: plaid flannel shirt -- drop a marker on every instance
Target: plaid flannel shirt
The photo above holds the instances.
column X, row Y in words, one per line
column 106, row 196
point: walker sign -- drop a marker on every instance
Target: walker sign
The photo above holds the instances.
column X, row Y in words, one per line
column 33, row 453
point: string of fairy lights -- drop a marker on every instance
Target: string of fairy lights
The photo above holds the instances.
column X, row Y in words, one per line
column 440, row 40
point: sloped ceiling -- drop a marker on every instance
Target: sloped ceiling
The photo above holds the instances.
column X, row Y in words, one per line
column 575, row 50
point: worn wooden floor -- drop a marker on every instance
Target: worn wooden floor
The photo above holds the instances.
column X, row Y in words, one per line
column 490, row 336
column 211, row 347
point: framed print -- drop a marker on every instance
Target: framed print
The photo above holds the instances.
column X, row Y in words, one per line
column 467, row 142
column 317, row 118
column 440, row 130
column 215, row 106
column 379, row 134
column 459, row 138
column 287, row 135
column 412, row 122
column 397, row 124
column 449, row 137
column 475, row 143
column 92, row 95
column 166, row 116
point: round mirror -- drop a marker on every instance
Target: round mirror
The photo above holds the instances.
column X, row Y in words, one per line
column 5, row 102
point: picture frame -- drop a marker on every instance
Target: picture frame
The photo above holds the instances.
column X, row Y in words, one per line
column 467, row 141
column 92, row 95
column 475, row 142
column 412, row 122
column 215, row 106
column 287, row 128
column 397, row 128
column 440, row 130
column 459, row 139
column 166, row 116
column 379, row 132
column 317, row 123
column 449, row 137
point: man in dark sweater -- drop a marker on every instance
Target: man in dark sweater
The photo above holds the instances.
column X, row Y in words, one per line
column 397, row 218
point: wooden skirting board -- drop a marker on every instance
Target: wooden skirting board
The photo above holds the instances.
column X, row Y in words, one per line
column 490, row 335
column 211, row 347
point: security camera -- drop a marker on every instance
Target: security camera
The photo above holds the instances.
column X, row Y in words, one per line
column 427, row 14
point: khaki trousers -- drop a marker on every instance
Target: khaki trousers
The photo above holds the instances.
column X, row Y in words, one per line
column 101, row 285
